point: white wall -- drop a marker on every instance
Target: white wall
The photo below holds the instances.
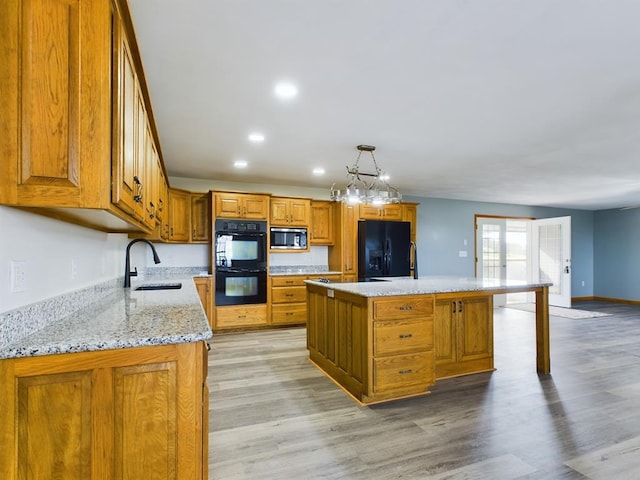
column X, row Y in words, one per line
column 58, row 257
column 316, row 256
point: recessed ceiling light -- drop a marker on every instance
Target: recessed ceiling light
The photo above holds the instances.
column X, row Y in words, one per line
column 318, row 171
column 256, row 137
column 240, row 164
column 285, row 90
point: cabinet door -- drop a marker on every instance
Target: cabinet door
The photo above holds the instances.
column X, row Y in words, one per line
column 145, row 401
column 179, row 215
column 228, row 205
column 241, row 205
column 163, row 195
column 255, row 207
column 128, row 130
column 279, row 211
column 150, row 178
column 321, row 227
column 128, row 413
column 299, row 211
column 385, row 212
column 350, row 239
column 205, row 292
column 410, row 214
column 200, row 215
column 343, row 255
column 446, row 333
column 476, row 328
column 56, row 103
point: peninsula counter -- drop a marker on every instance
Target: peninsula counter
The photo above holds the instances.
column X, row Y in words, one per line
column 385, row 340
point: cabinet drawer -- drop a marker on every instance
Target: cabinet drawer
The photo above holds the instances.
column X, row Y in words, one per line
column 288, row 281
column 403, row 307
column 288, row 294
column 402, row 371
column 289, row 313
column 402, row 336
column 246, row 316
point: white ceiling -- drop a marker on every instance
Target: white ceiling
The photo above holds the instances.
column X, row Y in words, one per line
column 533, row 102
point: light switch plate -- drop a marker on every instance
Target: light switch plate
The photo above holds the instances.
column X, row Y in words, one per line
column 18, row 276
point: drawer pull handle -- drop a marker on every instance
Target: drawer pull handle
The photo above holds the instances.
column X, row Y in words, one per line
column 405, row 372
column 288, row 294
column 406, row 335
column 242, row 316
column 288, row 314
column 406, row 308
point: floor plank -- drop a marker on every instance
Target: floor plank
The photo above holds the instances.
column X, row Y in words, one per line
column 275, row 416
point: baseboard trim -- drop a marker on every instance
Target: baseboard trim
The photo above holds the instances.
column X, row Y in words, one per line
column 605, row 299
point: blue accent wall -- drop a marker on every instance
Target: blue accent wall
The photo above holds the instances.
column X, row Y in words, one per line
column 617, row 256
column 444, row 225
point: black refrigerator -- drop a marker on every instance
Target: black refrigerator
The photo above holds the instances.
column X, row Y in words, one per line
column 383, row 249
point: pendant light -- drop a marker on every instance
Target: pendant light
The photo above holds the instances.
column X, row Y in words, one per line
column 376, row 192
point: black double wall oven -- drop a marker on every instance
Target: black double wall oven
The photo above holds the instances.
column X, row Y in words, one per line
column 241, row 262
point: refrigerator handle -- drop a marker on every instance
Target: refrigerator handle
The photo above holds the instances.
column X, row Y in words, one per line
column 414, row 247
column 387, row 257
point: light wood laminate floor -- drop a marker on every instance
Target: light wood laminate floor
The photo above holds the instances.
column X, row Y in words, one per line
column 275, row 416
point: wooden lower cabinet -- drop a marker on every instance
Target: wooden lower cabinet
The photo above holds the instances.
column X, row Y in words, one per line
column 389, row 347
column 376, row 349
column 242, row 316
column 464, row 340
column 205, row 292
column 289, row 298
column 127, row 414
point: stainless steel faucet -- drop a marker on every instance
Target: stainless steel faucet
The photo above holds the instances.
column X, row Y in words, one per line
column 127, row 262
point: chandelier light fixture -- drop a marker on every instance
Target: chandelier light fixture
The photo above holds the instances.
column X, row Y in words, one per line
column 358, row 190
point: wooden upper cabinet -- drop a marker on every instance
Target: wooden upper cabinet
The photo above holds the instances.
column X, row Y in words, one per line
column 75, row 114
column 321, row 229
column 410, row 214
column 392, row 211
column 200, row 217
column 56, row 104
column 179, row 215
column 241, row 205
column 287, row 212
column 343, row 257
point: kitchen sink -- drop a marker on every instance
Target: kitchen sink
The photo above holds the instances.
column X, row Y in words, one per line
column 159, row 286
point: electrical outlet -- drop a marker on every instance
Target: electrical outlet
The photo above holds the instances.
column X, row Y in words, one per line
column 462, row 253
column 18, row 276
column 74, row 268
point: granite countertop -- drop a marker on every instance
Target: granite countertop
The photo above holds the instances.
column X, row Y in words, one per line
column 427, row 285
column 124, row 318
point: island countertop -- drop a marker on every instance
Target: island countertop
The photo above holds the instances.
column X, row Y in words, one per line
column 124, row 318
column 428, row 285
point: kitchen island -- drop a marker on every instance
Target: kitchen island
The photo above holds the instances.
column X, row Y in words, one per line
column 116, row 389
column 386, row 340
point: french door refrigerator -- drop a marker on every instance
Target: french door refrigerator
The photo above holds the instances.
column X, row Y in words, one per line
column 383, row 249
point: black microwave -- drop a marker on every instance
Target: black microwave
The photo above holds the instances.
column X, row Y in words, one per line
column 288, row 238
